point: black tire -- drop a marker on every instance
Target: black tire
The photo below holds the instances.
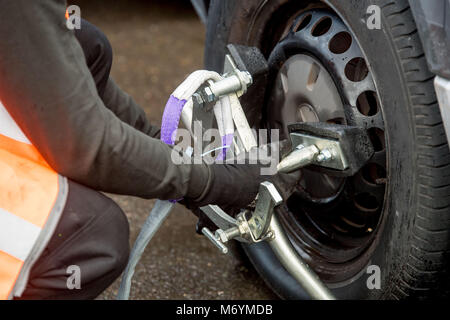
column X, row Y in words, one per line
column 413, row 242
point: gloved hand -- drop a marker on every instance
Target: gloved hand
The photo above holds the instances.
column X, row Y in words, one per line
column 235, row 186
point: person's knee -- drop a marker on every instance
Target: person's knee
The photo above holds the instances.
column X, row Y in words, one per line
column 92, row 234
column 117, row 239
column 112, row 252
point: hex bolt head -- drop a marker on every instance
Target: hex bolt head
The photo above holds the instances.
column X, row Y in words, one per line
column 324, row 155
column 210, row 96
column 248, row 79
column 197, row 99
column 221, row 235
column 270, row 235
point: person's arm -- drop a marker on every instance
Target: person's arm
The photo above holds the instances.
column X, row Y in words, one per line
column 99, row 57
column 127, row 110
column 48, row 89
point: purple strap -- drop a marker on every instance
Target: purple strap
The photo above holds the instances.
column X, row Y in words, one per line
column 171, row 120
column 226, row 143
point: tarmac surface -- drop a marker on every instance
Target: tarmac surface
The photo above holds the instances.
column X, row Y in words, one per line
column 156, row 45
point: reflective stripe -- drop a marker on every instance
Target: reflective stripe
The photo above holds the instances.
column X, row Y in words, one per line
column 32, row 197
column 21, row 149
column 27, row 189
column 13, row 228
column 9, row 128
column 9, row 271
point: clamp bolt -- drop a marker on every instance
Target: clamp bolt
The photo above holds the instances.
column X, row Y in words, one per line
column 324, row 155
column 246, row 77
column 197, row 99
column 215, row 240
column 210, row 96
column 221, row 235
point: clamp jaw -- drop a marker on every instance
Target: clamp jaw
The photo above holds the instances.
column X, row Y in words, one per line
column 235, row 81
column 337, row 149
column 247, row 227
column 238, row 77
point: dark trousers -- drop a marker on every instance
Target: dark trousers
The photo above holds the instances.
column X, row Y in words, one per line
column 93, row 232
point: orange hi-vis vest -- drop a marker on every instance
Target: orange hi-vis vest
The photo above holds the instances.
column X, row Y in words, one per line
column 32, row 197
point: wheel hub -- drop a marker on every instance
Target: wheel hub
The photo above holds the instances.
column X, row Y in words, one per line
column 306, row 113
column 305, row 92
column 319, row 73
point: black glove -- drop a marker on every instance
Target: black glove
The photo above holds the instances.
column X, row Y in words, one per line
column 235, row 186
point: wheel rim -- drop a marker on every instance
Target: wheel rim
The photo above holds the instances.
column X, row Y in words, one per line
column 320, row 74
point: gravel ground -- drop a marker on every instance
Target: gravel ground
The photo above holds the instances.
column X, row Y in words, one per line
column 156, row 45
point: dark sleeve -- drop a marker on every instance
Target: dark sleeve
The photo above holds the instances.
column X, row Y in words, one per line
column 127, row 110
column 48, row 89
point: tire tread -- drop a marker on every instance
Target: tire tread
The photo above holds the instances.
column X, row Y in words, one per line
column 427, row 260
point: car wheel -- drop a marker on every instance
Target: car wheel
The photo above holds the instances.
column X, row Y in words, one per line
column 392, row 219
